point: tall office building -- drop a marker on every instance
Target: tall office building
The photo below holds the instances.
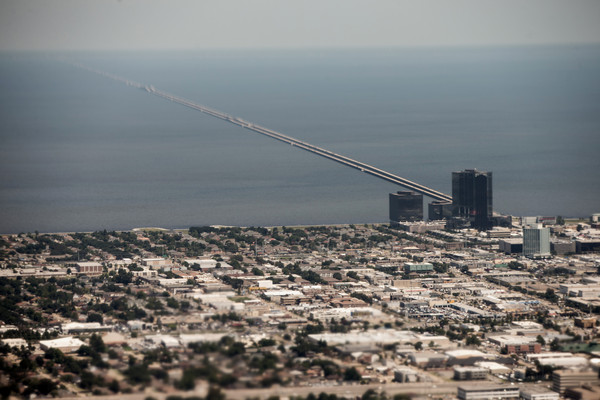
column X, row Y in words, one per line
column 472, row 197
column 536, row 241
column 440, row 209
column 406, row 206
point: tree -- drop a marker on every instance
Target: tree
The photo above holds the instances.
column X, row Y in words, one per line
column 43, row 386
column 171, row 302
column 351, row 374
column 138, row 373
column 188, row 380
column 352, row 274
column 265, row 362
column 370, row 394
column 85, row 351
column 154, row 304
column 97, row 344
column 472, row 340
column 89, row 380
column 550, row 295
column 95, row 317
column 540, row 340
column 114, row 386
column 419, row 346
column 361, row 296
column 266, row 342
column 235, row 349
column 123, row 276
column 215, row 393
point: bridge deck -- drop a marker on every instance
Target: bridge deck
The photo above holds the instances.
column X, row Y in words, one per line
column 366, row 168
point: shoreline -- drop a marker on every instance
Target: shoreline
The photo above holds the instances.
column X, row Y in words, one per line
column 568, row 220
column 155, row 228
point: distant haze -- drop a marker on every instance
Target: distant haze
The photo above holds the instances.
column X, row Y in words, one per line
column 197, row 24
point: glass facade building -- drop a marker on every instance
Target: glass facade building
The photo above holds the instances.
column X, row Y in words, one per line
column 472, row 197
column 439, row 209
column 406, row 206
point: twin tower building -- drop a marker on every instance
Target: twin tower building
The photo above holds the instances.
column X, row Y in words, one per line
column 471, row 204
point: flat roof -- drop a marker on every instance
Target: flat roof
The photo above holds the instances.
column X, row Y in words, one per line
column 480, row 388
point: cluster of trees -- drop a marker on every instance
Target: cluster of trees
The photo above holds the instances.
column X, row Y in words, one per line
column 141, row 374
column 342, row 327
column 54, row 296
column 19, row 374
column 207, row 371
column 362, row 296
column 118, row 308
column 556, row 271
column 22, row 376
column 94, row 351
column 309, row 275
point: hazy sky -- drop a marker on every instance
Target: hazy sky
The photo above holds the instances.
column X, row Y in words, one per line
column 185, row 24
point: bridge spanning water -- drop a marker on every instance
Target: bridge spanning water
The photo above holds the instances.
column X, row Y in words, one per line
column 366, row 168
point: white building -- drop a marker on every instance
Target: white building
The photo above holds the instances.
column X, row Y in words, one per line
column 146, row 272
column 157, row 263
column 219, row 301
column 186, row 339
column 75, row 327
column 166, row 340
column 482, row 392
column 538, row 394
column 172, row 282
column 67, row 344
column 536, row 241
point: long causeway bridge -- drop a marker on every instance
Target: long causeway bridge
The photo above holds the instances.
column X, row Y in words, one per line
column 347, row 161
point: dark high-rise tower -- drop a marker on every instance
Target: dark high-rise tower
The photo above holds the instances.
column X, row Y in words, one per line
column 440, row 209
column 472, row 197
column 406, row 206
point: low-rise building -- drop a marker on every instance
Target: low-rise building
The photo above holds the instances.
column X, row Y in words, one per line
column 482, row 392
column 417, row 267
column 89, row 268
column 67, row 344
column 563, row 379
column 469, row 373
column 516, row 345
column 78, row 327
column 14, row 342
column 583, row 393
column 406, row 375
column 157, row 263
column 561, row 247
column 428, row 359
column 511, row 246
column 585, row 323
column 538, row 394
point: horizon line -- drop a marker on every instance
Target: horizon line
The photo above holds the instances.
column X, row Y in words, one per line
column 305, row 48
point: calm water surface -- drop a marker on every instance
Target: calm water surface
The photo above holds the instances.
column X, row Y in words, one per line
column 81, row 152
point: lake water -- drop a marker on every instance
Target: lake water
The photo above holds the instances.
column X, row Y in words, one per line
column 81, row 152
